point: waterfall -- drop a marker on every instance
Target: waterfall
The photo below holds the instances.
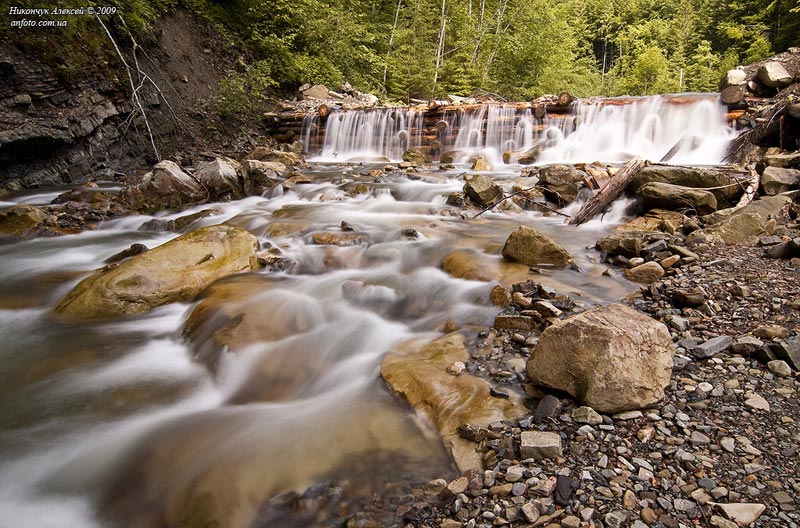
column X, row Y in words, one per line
column 693, row 127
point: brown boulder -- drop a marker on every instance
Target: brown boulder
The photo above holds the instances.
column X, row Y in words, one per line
column 527, row 246
column 666, row 195
column 646, row 273
column 720, row 184
column 611, row 358
column 482, row 189
column 470, row 265
column 20, row 219
column 221, row 179
column 173, row 272
column 165, row 187
column 561, row 182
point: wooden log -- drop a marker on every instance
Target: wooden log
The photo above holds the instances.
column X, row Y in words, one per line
column 732, row 95
column 608, row 193
column 751, row 190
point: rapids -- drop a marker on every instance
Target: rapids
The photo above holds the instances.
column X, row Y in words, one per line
column 114, row 423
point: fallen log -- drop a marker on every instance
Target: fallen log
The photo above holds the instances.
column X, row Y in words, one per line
column 608, row 193
column 751, row 190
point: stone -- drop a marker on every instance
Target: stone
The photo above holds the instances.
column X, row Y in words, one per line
column 561, row 182
column 776, row 180
column 177, row 271
column 450, row 523
column 744, row 514
column 654, row 220
column 527, row 246
column 286, row 158
column 712, row 347
column 789, row 351
column 746, row 345
column 482, row 189
column 615, row 519
column 721, row 522
column 769, row 332
column 646, row 273
column 743, row 225
column 779, row 368
column 18, row 220
column 22, row 100
column 540, row 445
column 316, row 91
column 334, row 238
column 417, row 372
column 586, row 415
column 690, row 297
column 531, row 512
column 733, row 78
column 717, row 182
column 515, row 473
column 611, row 358
column 480, row 163
column 221, row 179
column 627, row 245
column 757, row 402
column 786, row 160
column 500, row 296
column 666, row 195
column 416, row 156
column 516, row 323
column 548, row 407
column 470, row 265
column 260, row 177
column 773, row 74
column 570, row 521
column 167, row 186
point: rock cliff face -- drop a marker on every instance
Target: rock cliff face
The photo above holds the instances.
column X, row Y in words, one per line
column 56, row 129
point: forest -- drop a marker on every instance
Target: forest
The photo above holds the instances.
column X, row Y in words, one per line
column 518, row 49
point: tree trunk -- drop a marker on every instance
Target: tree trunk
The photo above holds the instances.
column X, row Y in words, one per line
column 391, row 40
column 751, row 189
column 440, row 44
column 732, row 95
column 609, row 193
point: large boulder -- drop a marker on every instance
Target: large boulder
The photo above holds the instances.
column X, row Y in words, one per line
column 776, row 180
column 773, row 74
column 480, row 163
column 167, row 186
column 740, row 226
column 561, row 182
column 416, row 156
column 720, row 184
column 286, row 157
column 20, row 219
column 173, row 272
column 656, row 194
column 611, row 358
column 733, row 78
column 785, row 160
column 419, row 374
column 221, row 179
column 527, row 246
column 482, row 189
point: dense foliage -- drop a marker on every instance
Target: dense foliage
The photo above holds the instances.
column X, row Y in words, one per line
column 425, row 48
column 517, row 48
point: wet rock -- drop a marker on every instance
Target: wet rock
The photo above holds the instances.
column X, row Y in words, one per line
column 654, row 220
column 548, row 407
column 561, row 182
column 173, row 272
column 221, row 179
column 500, row 296
column 470, row 265
column 20, row 219
column 527, row 246
column 165, row 187
column 611, row 358
column 134, row 249
column 776, row 180
column 418, row 373
column 773, row 74
column 646, row 273
column 333, row 238
column 669, row 196
column 480, row 163
column 416, row 156
column 482, row 189
column 540, row 445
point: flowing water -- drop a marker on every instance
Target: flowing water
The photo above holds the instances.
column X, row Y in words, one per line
column 116, row 423
column 606, row 130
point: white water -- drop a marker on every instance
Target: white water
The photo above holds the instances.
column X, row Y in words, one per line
column 605, row 131
column 115, row 419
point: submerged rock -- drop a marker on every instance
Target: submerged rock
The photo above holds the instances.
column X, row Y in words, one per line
column 611, row 358
column 419, row 375
column 527, row 246
column 415, row 156
column 561, row 182
column 173, row 272
column 470, row 265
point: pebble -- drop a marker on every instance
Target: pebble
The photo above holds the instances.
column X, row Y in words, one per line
column 756, row 401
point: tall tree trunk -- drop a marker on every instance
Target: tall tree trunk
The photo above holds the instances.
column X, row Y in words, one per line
column 391, row 40
column 440, row 44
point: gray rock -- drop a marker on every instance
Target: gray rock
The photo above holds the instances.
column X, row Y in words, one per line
column 616, row 519
column 746, row 345
column 776, row 180
column 712, row 347
column 789, row 160
column 733, row 78
column 779, row 368
column 586, row 415
column 220, row 178
column 789, row 351
column 668, row 196
column 773, row 74
column 757, row 402
column 540, row 445
column 744, row 514
column 561, row 182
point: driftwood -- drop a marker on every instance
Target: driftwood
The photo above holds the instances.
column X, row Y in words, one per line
column 751, row 189
column 608, row 193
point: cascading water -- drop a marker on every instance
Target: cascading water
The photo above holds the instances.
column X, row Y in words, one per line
column 691, row 127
